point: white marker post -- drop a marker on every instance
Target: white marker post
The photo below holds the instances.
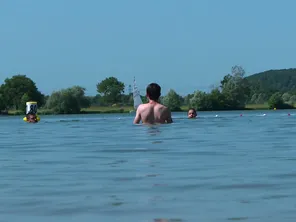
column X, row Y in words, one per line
column 31, row 108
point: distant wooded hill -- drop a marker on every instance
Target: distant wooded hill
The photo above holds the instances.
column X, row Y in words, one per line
column 272, row 81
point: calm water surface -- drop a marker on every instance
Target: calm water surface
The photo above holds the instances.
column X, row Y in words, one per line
column 103, row 168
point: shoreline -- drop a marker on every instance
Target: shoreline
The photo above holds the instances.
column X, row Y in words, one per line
column 128, row 109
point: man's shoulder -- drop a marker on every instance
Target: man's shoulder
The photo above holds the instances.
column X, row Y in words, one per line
column 157, row 106
column 141, row 107
column 162, row 107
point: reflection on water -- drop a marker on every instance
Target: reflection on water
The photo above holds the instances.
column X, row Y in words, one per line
column 154, row 130
column 103, row 168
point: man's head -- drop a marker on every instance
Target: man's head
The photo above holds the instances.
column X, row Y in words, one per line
column 192, row 113
column 153, row 91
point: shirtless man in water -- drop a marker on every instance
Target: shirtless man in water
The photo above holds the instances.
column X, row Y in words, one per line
column 153, row 112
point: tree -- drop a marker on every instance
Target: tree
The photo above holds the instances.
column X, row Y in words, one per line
column 275, row 101
column 238, row 72
column 2, row 103
column 68, row 101
column 144, row 99
column 286, row 97
column 262, row 98
column 254, row 98
column 127, row 99
column 225, row 80
column 172, row 101
column 217, row 99
column 25, row 98
column 201, row 101
column 187, row 99
column 14, row 89
column 293, row 99
column 45, row 98
column 235, row 88
column 232, row 95
column 111, row 89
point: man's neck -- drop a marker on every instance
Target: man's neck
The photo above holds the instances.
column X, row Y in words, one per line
column 152, row 101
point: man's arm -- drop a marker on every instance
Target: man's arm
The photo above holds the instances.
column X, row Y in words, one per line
column 138, row 116
column 168, row 116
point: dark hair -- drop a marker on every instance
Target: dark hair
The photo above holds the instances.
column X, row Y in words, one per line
column 153, row 91
column 192, row 109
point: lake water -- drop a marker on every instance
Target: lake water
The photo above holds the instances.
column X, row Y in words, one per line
column 104, row 168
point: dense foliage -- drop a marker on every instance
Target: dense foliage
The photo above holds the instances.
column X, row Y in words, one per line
column 16, row 91
column 172, row 100
column 68, row 101
column 277, row 88
column 111, row 90
column 273, row 81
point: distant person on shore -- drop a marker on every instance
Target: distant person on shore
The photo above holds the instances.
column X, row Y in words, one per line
column 153, row 112
column 192, row 113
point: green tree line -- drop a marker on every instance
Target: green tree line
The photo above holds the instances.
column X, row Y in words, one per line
column 233, row 93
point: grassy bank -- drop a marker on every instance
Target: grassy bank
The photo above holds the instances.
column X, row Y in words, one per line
column 123, row 109
column 257, row 106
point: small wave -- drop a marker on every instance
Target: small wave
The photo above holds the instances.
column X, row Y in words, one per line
column 285, row 175
column 133, row 150
column 70, row 120
column 244, row 186
column 261, row 115
column 168, row 220
column 238, row 218
column 276, row 196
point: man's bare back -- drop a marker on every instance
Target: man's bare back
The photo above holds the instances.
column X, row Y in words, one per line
column 153, row 113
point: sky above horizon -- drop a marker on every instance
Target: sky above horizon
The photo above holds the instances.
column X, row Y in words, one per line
column 184, row 45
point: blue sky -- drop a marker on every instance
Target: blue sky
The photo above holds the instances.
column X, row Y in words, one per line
column 185, row 45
